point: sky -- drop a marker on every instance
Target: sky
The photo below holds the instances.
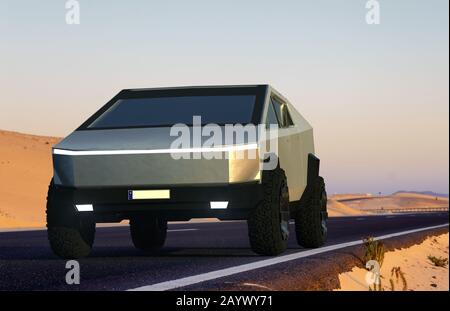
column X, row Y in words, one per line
column 376, row 95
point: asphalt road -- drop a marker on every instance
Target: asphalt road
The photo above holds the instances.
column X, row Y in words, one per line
column 192, row 249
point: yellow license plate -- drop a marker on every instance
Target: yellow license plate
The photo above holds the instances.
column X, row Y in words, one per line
column 162, row 194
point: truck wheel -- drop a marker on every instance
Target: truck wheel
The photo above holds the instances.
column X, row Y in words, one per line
column 268, row 223
column 70, row 233
column 148, row 233
column 311, row 219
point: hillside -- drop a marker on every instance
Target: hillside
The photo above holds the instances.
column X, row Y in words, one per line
column 428, row 193
column 398, row 201
column 25, row 172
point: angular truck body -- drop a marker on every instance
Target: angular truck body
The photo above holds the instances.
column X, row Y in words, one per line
column 148, row 156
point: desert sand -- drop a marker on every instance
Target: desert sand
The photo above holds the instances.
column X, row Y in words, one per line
column 396, row 201
column 336, row 209
column 419, row 272
column 26, row 170
column 350, row 196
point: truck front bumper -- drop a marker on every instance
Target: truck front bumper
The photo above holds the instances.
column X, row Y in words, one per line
column 112, row 204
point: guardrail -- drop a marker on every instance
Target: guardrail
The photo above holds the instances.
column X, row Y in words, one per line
column 407, row 210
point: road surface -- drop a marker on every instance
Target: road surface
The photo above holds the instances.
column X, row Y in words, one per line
column 195, row 254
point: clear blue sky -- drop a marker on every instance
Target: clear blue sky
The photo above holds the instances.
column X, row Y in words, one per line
column 377, row 95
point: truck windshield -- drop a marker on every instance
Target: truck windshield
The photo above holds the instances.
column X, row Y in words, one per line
column 167, row 111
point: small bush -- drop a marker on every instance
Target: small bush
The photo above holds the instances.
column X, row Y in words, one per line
column 438, row 261
column 374, row 250
column 399, row 275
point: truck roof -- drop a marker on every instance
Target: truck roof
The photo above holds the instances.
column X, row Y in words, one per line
column 198, row 87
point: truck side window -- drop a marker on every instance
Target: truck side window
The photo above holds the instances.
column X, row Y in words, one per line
column 271, row 117
column 282, row 113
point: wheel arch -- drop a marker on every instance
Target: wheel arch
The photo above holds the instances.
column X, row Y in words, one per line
column 313, row 170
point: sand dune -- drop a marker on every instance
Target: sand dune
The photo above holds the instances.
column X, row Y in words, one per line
column 350, row 196
column 25, row 172
column 336, row 209
column 397, row 201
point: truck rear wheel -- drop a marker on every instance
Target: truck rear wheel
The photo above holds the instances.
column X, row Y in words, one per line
column 311, row 219
column 148, row 233
column 70, row 233
column 268, row 223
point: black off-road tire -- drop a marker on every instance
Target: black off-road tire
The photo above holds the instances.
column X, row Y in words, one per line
column 311, row 218
column 148, row 233
column 268, row 223
column 70, row 233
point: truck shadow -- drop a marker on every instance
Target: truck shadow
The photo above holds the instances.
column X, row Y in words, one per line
column 13, row 253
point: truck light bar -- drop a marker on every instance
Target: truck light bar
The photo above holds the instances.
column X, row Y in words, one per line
column 155, row 151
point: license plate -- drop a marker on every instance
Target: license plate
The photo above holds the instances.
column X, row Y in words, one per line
column 162, row 194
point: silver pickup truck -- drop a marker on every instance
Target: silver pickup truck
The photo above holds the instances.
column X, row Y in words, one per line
column 130, row 161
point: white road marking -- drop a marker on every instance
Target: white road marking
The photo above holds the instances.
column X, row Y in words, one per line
column 195, row 279
column 257, row 285
column 177, row 230
column 360, row 218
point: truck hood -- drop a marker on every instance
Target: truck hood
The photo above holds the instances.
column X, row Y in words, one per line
column 127, row 139
column 143, row 158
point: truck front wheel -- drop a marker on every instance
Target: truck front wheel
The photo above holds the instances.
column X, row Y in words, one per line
column 311, row 218
column 148, row 232
column 268, row 223
column 70, row 233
